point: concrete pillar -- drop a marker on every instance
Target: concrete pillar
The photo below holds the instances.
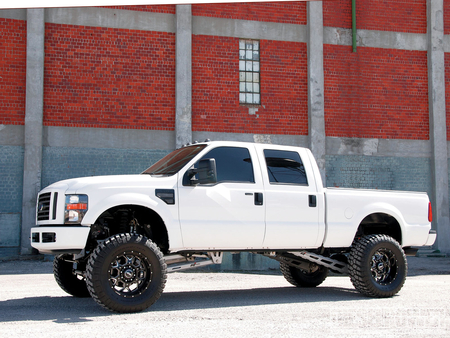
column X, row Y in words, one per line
column 34, row 108
column 183, row 86
column 316, row 110
column 438, row 132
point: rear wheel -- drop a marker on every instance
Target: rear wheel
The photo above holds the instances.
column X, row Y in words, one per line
column 377, row 266
column 126, row 273
column 302, row 278
column 66, row 278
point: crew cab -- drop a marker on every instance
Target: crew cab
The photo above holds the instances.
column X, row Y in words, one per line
column 115, row 238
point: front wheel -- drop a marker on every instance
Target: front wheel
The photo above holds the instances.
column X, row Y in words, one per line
column 67, row 280
column 126, row 273
column 377, row 266
column 302, row 278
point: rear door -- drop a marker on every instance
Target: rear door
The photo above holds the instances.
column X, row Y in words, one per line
column 292, row 204
column 230, row 213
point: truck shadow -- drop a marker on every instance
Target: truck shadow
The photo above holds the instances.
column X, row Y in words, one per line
column 74, row 310
column 193, row 300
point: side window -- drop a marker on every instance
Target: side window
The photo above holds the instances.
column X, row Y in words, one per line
column 233, row 164
column 285, row 167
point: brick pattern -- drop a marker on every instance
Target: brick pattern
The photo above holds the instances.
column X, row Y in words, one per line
column 109, row 78
column 169, row 9
column 293, row 12
column 447, row 92
column 376, row 93
column 11, row 179
column 446, row 16
column 215, row 88
column 60, row 163
column 408, row 16
column 13, row 57
column 373, row 172
column 9, row 231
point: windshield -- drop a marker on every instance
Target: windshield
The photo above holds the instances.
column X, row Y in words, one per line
column 172, row 163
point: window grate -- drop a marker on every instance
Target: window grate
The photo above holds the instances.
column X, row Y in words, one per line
column 249, row 72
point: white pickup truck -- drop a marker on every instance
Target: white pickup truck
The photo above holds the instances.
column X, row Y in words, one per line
column 115, row 237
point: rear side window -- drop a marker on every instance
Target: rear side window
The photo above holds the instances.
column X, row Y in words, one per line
column 285, row 167
column 233, row 164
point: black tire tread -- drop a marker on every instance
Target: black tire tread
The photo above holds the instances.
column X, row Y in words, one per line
column 291, row 274
column 62, row 271
column 101, row 252
column 357, row 268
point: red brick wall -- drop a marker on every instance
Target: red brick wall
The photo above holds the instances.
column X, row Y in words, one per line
column 109, row 78
column 388, row 15
column 215, row 88
column 285, row 12
column 13, row 57
column 376, row 93
column 447, row 91
column 446, row 16
column 170, row 9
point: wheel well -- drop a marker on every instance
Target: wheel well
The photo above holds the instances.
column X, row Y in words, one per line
column 380, row 223
column 132, row 219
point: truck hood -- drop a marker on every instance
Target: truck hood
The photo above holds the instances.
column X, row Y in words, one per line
column 84, row 185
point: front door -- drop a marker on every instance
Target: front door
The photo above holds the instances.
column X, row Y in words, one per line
column 230, row 213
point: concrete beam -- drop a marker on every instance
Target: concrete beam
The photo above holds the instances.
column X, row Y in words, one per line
column 316, row 105
column 16, row 14
column 34, row 108
column 11, row 135
column 375, row 39
column 183, row 76
column 112, row 18
column 287, row 140
column 108, row 138
column 438, row 132
column 378, row 147
column 248, row 29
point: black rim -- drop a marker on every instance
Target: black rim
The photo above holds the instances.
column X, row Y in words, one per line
column 384, row 267
column 130, row 274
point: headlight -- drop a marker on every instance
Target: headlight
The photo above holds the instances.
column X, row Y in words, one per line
column 76, row 208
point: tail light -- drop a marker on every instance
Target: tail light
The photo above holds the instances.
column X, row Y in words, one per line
column 430, row 212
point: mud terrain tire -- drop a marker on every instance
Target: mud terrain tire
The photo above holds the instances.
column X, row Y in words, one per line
column 301, row 278
column 126, row 273
column 72, row 284
column 377, row 266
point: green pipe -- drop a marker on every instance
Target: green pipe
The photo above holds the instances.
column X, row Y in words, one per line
column 354, row 25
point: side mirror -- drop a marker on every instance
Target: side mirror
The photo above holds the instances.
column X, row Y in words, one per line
column 206, row 172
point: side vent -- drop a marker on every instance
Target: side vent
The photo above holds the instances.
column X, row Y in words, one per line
column 167, row 195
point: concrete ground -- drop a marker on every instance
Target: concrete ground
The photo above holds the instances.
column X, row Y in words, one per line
column 224, row 304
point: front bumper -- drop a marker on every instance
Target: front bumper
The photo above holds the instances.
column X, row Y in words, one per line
column 59, row 239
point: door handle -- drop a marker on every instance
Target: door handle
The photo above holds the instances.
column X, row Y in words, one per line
column 312, row 199
column 258, row 198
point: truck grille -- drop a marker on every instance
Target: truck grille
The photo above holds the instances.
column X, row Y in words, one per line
column 43, row 207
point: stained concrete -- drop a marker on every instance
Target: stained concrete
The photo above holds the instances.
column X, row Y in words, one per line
column 33, row 121
column 183, row 90
column 438, row 130
column 316, row 103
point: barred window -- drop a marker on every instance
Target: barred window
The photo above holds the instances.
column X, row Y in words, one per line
column 249, row 86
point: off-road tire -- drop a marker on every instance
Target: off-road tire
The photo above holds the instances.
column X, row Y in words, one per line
column 72, row 284
column 126, row 273
column 301, row 278
column 377, row 266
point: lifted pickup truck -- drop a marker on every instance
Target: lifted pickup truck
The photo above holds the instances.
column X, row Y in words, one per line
column 115, row 238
